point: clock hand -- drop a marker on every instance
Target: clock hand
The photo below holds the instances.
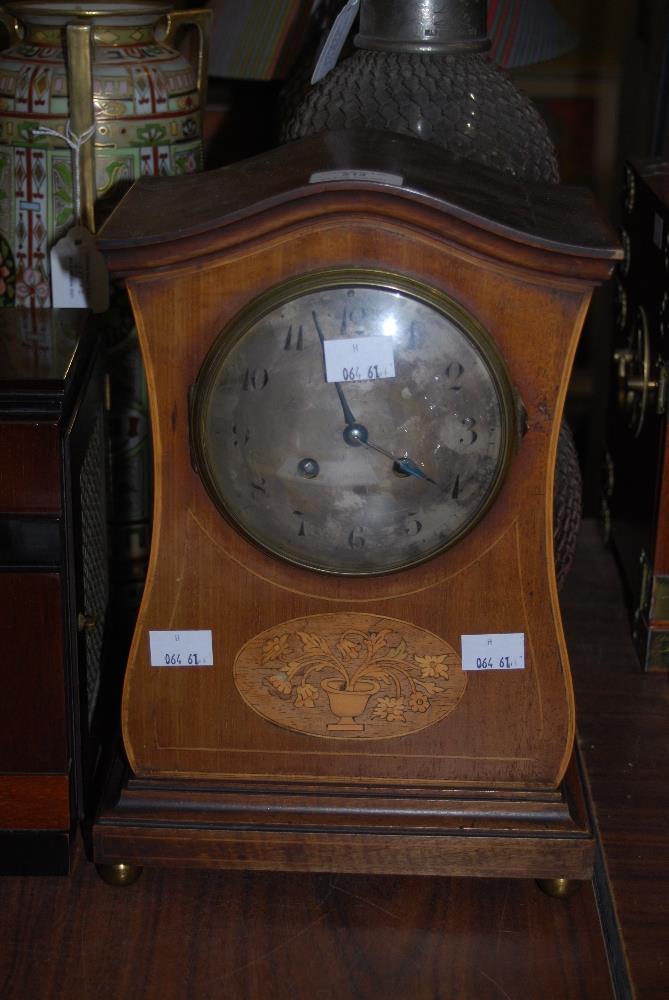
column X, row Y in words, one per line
column 348, row 415
column 356, row 434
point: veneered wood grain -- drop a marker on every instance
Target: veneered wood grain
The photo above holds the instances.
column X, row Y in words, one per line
column 253, row 935
column 29, row 468
column 33, row 712
column 499, row 578
column 34, row 801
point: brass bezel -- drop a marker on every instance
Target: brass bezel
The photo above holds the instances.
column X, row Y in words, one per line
column 291, row 289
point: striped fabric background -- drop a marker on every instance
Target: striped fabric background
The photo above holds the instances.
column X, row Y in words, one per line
column 527, row 31
column 258, row 39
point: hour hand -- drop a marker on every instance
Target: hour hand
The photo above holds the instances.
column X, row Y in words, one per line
column 356, row 434
column 406, row 465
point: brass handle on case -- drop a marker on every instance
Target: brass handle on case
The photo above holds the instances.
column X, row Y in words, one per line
column 639, row 380
column 200, row 19
column 86, row 622
column 12, row 24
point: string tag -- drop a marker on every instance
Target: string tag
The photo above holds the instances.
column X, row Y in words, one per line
column 79, row 278
column 334, row 43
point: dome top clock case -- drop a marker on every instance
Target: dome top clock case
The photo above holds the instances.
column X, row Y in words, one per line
column 357, row 352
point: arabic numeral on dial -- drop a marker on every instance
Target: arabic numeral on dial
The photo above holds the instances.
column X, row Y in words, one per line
column 294, row 339
column 468, row 435
column 416, row 332
column 356, row 538
column 259, row 487
column 413, row 525
column 353, row 321
column 240, row 435
column 453, row 374
column 300, row 516
column 255, row 379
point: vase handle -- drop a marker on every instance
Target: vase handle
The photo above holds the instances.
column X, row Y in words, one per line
column 200, row 19
column 12, row 24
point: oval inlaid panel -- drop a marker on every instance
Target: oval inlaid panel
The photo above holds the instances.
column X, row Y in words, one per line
column 350, row 676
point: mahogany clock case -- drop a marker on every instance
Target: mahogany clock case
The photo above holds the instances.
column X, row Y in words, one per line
column 227, row 759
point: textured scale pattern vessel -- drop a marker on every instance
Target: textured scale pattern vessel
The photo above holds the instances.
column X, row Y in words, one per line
column 462, row 103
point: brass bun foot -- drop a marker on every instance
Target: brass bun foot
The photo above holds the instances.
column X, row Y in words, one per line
column 558, row 888
column 119, row 875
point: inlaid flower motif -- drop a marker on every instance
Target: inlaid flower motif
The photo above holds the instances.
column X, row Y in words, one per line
column 275, row 647
column 418, row 702
column 306, row 696
column 433, row 666
column 359, row 674
column 280, row 682
column 390, row 709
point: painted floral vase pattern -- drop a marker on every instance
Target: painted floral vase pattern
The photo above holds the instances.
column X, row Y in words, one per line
column 147, row 116
column 350, row 676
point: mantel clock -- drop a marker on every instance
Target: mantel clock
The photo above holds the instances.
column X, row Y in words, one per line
column 349, row 655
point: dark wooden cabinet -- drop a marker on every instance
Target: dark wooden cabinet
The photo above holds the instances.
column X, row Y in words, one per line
column 53, row 580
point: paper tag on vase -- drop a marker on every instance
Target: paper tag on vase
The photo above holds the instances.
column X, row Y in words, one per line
column 79, row 276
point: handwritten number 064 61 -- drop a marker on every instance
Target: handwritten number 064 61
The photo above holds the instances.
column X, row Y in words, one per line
column 354, row 375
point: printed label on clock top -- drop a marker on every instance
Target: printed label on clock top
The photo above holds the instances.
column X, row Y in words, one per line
column 358, row 359
column 493, row 651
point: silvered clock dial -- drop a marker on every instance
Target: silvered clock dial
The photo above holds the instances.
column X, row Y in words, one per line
column 353, row 422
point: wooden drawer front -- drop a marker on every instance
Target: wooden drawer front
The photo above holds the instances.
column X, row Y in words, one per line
column 34, row 802
column 29, row 469
column 33, row 727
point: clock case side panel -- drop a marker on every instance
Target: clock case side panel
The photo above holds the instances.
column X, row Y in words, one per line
column 199, row 297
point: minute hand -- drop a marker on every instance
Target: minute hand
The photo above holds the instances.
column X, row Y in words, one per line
column 348, row 414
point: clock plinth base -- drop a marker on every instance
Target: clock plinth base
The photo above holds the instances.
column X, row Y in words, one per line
column 507, row 833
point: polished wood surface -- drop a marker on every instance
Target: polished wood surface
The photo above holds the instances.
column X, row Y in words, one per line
column 30, row 475
column 50, row 408
column 546, row 216
column 34, row 732
column 523, row 264
column 623, row 724
column 530, row 290
column 254, row 936
column 34, row 802
column 244, row 936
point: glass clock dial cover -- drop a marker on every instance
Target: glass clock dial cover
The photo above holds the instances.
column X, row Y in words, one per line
column 353, row 422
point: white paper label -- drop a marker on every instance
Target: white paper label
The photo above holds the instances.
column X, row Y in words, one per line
column 334, row 43
column 495, row 651
column 79, row 278
column 356, row 174
column 192, row 648
column 359, row 359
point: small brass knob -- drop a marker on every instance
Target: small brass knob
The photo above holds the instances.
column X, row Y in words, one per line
column 86, row 622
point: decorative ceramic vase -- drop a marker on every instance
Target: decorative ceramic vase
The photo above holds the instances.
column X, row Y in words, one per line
column 146, row 101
